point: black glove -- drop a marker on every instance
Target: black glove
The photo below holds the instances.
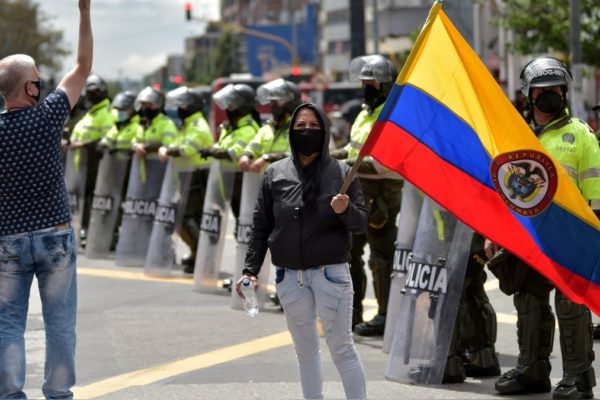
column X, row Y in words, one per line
column 174, row 151
column 205, row 153
column 152, row 148
column 339, row 154
column 101, row 148
column 220, row 154
column 367, row 167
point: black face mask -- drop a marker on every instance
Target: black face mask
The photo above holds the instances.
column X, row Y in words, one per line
column 95, row 98
column 183, row 113
column 38, row 85
column 372, row 96
column 279, row 113
column 148, row 114
column 307, row 141
column 549, row 102
column 232, row 116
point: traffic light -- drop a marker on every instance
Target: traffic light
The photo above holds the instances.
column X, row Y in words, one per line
column 295, row 70
column 188, row 11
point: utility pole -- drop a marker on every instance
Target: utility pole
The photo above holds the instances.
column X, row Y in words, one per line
column 375, row 28
column 576, row 59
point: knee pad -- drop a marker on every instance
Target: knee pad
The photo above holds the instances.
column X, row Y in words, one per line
column 535, row 328
column 575, row 324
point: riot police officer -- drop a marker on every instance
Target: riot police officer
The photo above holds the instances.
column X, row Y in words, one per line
column 241, row 126
column 545, row 82
column 271, row 142
column 94, row 124
column 158, row 128
column 382, row 190
column 195, row 136
column 472, row 349
column 127, row 123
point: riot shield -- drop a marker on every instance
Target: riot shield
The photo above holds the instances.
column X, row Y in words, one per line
column 430, row 298
column 106, row 203
column 412, row 201
column 139, row 208
column 250, row 187
column 168, row 217
column 213, row 226
column 75, row 177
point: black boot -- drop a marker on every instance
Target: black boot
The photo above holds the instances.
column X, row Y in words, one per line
column 374, row 327
column 188, row 261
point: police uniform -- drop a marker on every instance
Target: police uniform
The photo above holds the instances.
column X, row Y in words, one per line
column 122, row 137
column 270, row 143
column 472, row 348
column 160, row 131
column 96, row 123
column 231, row 144
column 382, row 191
column 195, row 135
column 574, row 147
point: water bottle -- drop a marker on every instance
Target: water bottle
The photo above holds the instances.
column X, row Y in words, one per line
column 250, row 302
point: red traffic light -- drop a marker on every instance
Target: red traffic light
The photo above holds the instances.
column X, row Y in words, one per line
column 295, row 70
column 188, row 11
column 178, row 79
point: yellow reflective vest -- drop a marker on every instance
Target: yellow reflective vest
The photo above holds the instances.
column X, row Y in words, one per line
column 94, row 124
column 161, row 131
column 122, row 138
column 195, row 135
column 573, row 144
column 234, row 139
column 269, row 140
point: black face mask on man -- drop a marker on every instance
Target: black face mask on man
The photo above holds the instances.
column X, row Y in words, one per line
column 372, row 96
column 38, row 85
column 307, row 141
column 549, row 102
column 279, row 112
column 148, row 114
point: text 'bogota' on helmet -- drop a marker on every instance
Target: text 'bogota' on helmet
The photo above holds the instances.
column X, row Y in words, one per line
column 544, row 72
column 372, row 67
column 150, row 95
column 279, row 90
column 234, row 96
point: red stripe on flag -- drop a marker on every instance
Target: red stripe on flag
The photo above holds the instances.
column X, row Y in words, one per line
column 469, row 200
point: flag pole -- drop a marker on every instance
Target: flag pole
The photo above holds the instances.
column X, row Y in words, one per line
column 405, row 69
column 351, row 174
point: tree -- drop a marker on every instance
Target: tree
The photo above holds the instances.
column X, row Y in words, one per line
column 227, row 54
column 541, row 26
column 25, row 29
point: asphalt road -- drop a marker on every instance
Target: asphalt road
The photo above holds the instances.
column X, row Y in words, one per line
column 141, row 338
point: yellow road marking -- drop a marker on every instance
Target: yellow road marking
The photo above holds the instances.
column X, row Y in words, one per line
column 150, row 375
column 129, row 275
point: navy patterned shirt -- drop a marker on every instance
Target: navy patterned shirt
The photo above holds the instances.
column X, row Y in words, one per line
column 33, row 194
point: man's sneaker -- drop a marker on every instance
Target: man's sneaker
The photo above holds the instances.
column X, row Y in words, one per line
column 374, row 327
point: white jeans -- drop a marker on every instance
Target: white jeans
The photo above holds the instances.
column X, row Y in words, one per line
column 328, row 291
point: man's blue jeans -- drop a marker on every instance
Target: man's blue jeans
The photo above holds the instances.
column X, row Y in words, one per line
column 50, row 254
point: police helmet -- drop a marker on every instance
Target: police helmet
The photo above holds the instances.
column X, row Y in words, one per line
column 235, row 97
column 188, row 98
column 372, row 67
column 278, row 89
column 544, row 72
column 150, row 95
column 124, row 100
column 94, row 82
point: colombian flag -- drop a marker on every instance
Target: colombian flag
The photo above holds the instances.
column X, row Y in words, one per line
column 448, row 128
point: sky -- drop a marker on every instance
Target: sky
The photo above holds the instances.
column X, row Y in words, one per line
column 131, row 37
